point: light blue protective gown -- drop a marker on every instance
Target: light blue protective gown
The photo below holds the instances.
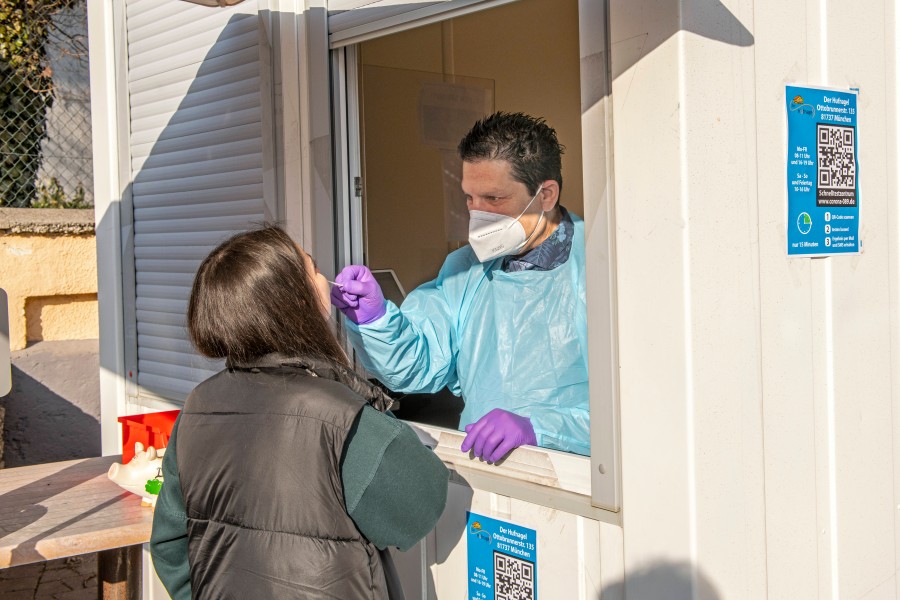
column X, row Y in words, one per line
column 516, row 341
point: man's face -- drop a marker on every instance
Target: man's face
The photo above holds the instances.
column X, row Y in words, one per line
column 489, row 186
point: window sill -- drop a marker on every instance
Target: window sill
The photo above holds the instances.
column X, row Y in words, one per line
column 550, row 478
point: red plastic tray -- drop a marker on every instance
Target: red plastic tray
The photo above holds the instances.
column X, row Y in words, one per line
column 150, row 429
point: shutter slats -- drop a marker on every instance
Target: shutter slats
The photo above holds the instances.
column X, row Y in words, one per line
column 229, row 194
column 176, row 345
column 141, row 12
column 166, row 279
column 163, row 291
column 182, row 372
column 196, row 155
column 208, row 124
column 183, row 95
column 196, row 143
column 166, row 385
column 205, row 141
column 191, row 171
column 224, row 224
column 173, row 331
column 160, row 318
column 216, row 73
column 146, row 34
column 209, row 239
column 187, row 184
column 194, row 50
column 175, row 253
column 192, row 114
column 145, row 11
column 162, row 305
column 245, row 207
column 194, row 361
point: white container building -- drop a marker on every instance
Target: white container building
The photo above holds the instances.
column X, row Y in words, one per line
column 745, row 404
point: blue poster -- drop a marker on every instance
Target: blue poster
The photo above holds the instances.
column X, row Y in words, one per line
column 502, row 559
column 822, row 172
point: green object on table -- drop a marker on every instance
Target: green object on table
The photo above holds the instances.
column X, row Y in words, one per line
column 153, row 486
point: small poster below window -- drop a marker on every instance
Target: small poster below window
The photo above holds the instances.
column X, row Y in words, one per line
column 502, row 559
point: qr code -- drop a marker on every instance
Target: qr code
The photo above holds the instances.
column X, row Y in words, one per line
column 513, row 578
column 836, row 150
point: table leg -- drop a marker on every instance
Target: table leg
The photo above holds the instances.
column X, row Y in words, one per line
column 119, row 573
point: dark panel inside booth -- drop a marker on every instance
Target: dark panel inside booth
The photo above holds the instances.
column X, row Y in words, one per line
column 441, row 409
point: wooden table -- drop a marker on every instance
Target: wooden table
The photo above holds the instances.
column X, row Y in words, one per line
column 63, row 509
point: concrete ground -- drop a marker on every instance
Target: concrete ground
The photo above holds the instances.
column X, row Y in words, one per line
column 52, row 414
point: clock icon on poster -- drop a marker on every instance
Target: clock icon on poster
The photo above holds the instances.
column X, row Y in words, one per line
column 804, row 223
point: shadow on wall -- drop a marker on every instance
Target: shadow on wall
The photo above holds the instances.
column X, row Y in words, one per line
column 61, row 317
column 706, row 18
column 632, row 38
column 663, row 581
column 52, row 411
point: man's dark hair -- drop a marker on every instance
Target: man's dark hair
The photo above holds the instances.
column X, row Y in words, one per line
column 527, row 143
column 253, row 296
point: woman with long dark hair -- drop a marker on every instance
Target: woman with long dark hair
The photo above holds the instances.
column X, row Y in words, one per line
column 284, row 477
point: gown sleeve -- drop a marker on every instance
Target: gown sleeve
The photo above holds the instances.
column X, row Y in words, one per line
column 414, row 350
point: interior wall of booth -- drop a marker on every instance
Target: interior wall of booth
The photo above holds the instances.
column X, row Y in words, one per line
column 420, row 91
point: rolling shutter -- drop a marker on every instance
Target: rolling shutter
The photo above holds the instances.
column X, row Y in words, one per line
column 197, row 146
column 354, row 21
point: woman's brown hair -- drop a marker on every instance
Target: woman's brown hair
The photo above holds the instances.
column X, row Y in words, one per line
column 253, row 296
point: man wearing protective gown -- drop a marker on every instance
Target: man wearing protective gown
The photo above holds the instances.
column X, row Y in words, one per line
column 504, row 323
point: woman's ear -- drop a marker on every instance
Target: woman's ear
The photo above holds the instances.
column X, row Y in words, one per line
column 549, row 196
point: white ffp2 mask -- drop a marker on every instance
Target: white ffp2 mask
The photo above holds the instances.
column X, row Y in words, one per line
column 492, row 235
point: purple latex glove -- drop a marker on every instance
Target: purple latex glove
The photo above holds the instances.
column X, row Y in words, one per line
column 358, row 295
column 495, row 434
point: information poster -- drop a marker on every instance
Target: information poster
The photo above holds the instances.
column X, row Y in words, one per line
column 502, row 559
column 822, row 172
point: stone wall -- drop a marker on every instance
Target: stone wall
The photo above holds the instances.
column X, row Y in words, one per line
column 48, row 267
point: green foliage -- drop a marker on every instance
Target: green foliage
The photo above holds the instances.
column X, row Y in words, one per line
column 50, row 194
column 23, row 114
column 24, row 27
column 26, row 93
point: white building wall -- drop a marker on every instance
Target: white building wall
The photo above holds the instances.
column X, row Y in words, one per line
column 758, row 427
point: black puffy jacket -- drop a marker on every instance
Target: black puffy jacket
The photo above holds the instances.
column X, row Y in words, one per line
column 259, row 456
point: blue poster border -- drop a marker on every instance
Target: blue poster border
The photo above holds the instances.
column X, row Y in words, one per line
column 831, row 228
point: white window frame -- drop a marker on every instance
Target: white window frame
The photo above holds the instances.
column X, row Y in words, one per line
column 590, row 487
column 109, row 124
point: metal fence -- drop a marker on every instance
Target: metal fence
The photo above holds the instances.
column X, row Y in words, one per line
column 45, row 118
